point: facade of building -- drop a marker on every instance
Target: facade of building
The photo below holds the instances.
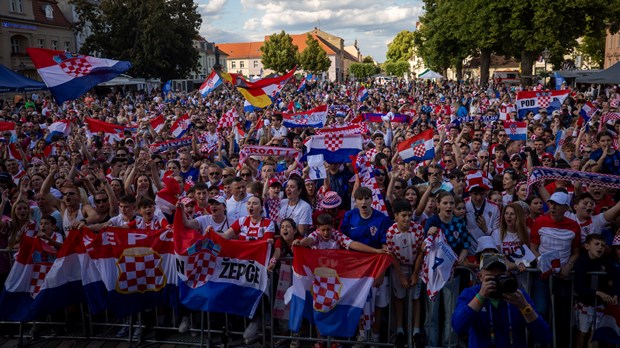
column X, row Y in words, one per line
column 31, row 23
column 207, row 58
column 245, row 57
column 612, row 49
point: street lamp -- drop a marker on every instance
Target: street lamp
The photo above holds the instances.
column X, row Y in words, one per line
column 546, row 54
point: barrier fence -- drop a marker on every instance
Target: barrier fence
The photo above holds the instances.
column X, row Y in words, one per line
column 161, row 325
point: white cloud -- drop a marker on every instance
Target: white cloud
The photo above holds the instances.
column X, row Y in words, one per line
column 212, row 7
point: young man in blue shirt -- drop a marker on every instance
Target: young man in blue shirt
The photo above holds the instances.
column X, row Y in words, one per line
column 369, row 226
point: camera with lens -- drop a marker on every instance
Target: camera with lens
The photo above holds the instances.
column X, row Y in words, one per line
column 505, row 284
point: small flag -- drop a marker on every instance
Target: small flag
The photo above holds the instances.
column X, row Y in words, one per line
column 362, row 94
column 418, row 148
column 516, row 130
column 212, row 82
column 158, row 123
column 180, row 126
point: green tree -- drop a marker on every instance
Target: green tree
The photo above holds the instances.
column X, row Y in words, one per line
column 279, row 53
column 398, row 69
column 156, row 36
column 313, row 58
column 593, row 48
column 362, row 71
column 401, row 47
column 368, row 59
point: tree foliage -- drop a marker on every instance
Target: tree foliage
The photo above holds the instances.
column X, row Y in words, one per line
column 401, row 47
column 362, row 70
column 313, row 58
column 279, row 53
column 156, row 36
column 453, row 30
column 593, row 48
column 368, row 59
column 398, row 68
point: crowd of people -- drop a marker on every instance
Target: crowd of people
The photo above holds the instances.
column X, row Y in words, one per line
column 474, row 192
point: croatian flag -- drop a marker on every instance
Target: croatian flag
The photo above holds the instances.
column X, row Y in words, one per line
column 69, row 75
column 302, row 85
column 608, row 328
column 585, row 114
column 505, row 110
column 32, row 262
column 60, row 128
column 365, row 171
column 7, row 127
column 532, row 101
column 68, row 278
column 362, row 94
column 111, row 132
column 180, row 126
column 212, row 82
column 315, row 118
column 247, row 107
column 158, row 123
column 516, row 130
column 418, row 148
column 219, row 275
column 335, row 148
column 439, row 259
column 328, row 291
column 136, row 267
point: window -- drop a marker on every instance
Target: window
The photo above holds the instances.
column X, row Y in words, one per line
column 67, row 45
column 233, row 64
column 14, row 45
column 16, row 6
column 242, row 64
column 54, row 45
column 49, row 11
column 41, row 43
column 256, row 63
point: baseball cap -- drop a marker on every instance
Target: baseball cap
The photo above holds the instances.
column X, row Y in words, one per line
column 218, row 199
column 274, row 181
column 485, row 243
column 560, row 198
column 489, row 260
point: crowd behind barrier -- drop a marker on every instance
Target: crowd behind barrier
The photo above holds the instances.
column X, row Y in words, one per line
column 401, row 168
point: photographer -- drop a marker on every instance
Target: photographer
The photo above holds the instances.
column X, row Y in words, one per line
column 497, row 313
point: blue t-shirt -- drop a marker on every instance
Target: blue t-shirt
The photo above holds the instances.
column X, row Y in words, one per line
column 455, row 232
column 193, row 173
column 369, row 231
column 611, row 163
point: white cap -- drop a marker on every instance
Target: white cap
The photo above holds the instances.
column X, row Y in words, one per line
column 560, row 198
column 486, row 242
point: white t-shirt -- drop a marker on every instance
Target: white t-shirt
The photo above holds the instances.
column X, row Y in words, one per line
column 207, row 220
column 301, row 212
column 237, row 209
column 593, row 225
column 509, row 245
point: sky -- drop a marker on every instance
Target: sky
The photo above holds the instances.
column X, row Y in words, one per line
column 373, row 23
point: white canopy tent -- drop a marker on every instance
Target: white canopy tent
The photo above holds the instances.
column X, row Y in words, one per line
column 430, row 74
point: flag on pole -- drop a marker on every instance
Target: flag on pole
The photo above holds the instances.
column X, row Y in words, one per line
column 180, row 126
column 60, row 128
column 69, row 75
column 335, row 148
column 532, row 101
column 362, row 94
column 302, row 85
column 111, row 132
column 212, row 82
column 158, row 123
column 315, row 118
column 516, row 130
column 418, row 148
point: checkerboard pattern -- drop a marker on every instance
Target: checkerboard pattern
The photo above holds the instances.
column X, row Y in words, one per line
column 140, row 273
column 326, row 292
column 77, row 67
column 419, row 150
column 39, row 270
column 333, row 141
column 544, row 101
column 199, row 268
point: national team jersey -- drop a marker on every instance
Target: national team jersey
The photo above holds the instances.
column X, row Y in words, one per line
column 156, row 224
column 405, row 245
column 491, row 214
column 553, row 235
column 593, row 225
column 337, row 240
column 510, row 244
column 246, row 230
column 369, row 231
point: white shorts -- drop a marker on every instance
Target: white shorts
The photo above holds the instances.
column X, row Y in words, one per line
column 381, row 294
column 398, row 290
column 584, row 316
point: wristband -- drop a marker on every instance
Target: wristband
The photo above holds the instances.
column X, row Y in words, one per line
column 272, row 260
column 481, row 299
column 527, row 310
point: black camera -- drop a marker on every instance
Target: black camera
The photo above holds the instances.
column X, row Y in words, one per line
column 505, row 284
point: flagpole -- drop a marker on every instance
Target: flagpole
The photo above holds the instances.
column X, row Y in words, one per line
column 490, row 147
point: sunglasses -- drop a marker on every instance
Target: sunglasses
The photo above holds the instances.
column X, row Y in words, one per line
column 501, row 135
column 379, row 174
column 398, row 187
column 448, row 161
column 69, row 194
column 99, row 201
column 246, row 174
column 215, row 173
column 515, row 160
column 433, row 174
column 225, row 175
column 471, row 161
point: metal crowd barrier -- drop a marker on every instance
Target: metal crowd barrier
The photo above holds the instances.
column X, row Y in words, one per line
column 210, row 333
